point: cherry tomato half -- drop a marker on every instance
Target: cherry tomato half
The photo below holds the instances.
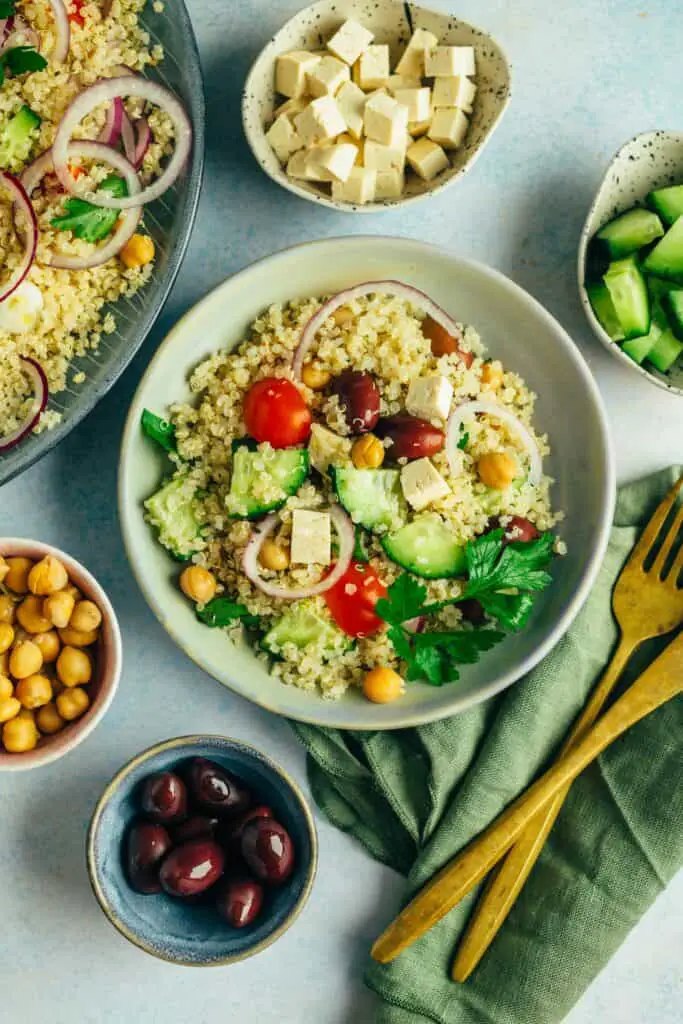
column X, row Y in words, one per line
column 274, row 411
column 353, row 598
column 75, row 16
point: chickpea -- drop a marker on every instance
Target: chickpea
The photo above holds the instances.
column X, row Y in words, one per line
column 17, row 577
column 25, row 660
column 58, row 608
column 74, row 667
column 49, row 646
column 497, row 470
column 4, row 569
column 33, row 692
column 86, row 617
column 138, row 252
column 492, row 375
column 49, row 720
column 367, row 452
column 6, row 637
column 6, row 688
column 198, row 584
column 30, row 615
column 74, row 637
column 314, row 378
column 343, row 315
column 7, row 609
column 20, row 735
column 73, row 592
column 73, row 703
column 21, row 636
column 9, row 709
column 273, row 556
column 47, row 576
column 382, row 685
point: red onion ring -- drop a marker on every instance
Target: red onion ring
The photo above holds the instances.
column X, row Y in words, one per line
column 61, row 50
column 104, row 92
column 347, row 538
column 21, row 202
column 40, row 395
column 143, row 135
column 462, row 412
column 359, row 291
column 4, row 22
column 111, row 133
column 128, row 137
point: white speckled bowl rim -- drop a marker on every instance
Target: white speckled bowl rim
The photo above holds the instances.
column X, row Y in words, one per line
column 314, row 25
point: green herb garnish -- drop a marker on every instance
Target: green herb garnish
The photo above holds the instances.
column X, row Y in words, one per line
column 8, row 8
column 464, row 441
column 159, row 430
column 88, row 222
column 20, row 60
column 223, row 612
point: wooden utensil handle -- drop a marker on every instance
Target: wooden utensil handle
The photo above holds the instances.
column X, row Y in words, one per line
column 658, row 684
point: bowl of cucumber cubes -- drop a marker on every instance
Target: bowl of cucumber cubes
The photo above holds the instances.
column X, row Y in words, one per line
column 631, row 258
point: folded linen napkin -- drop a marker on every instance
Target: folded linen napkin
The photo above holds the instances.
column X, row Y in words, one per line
column 415, row 797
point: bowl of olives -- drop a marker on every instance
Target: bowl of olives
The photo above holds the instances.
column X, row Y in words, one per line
column 202, row 851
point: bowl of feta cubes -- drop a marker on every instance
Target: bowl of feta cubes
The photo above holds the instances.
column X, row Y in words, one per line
column 366, row 107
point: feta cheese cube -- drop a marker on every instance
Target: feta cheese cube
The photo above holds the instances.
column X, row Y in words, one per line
column 339, row 160
column 352, row 100
column 350, row 41
column 291, row 70
column 422, row 484
column 430, row 398
column 455, row 91
column 322, row 119
column 390, row 184
column 284, row 138
column 290, row 108
column 306, row 164
column 449, row 61
column 325, row 448
column 359, row 187
column 311, row 538
column 418, row 102
column 413, row 60
column 327, row 77
column 383, row 158
column 449, row 127
column 386, row 121
column 403, row 82
column 427, row 159
column 371, row 70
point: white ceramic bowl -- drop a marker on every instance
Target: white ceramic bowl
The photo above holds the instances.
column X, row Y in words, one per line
column 516, row 329
column 391, row 23
column 646, row 162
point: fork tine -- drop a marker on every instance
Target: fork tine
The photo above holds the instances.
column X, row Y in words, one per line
column 667, row 544
column 651, row 531
column 676, row 569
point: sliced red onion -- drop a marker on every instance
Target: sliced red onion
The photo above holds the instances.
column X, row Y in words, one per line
column 61, row 50
column 359, row 291
column 469, row 409
column 3, row 28
column 347, row 542
column 18, row 33
column 143, row 136
column 415, row 625
column 22, row 203
column 128, row 137
column 104, row 92
column 111, row 133
column 36, row 373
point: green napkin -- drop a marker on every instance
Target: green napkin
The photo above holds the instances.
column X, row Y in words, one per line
column 416, row 797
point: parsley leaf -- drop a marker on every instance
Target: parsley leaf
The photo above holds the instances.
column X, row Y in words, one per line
column 158, row 430
column 20, row 60
column 463, row 442
column 519, row 565
column 7, row 8
column 435, row 656
column 405, row 600
column 512, row 611
column 88, row 222
column 223, row 612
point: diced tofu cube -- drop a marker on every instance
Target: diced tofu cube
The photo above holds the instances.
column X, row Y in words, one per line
column 339, row 160
column 290, row 108
column 390, row 184
column 350, row 41
column 372, row 70
column 449, row 127
column 383, row 158
column 457, row 91
column 427, row 159
column 284, row 138
column 352, row 100
column 418, row 128
column 322, row 119
column 359, row 187
column 311, row 538
column 449, row 61
column 306, row 164
column 386, row 121
column 418, row 102
column 403, row 82
column 430, row 398
column 291, row 72
column 413, row 60
column 325, row 448
column 422, row 484
column 328, row 76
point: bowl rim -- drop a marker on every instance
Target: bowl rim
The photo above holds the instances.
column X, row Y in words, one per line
column 342, row 206
column 599, row 331
column 181, row 741
column 39, row 760
column 411, row 718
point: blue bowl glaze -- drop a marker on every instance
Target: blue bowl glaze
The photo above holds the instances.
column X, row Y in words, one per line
column 194, row 935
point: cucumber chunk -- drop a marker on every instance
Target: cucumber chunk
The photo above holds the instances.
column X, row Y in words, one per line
column 427, row 548
column 603, row 307
column 305, row 626
column 666, row 351
column 628, row 291
column 173, row 512
column 372, row 497
column 264, row 478
column 629, row 232
column 639, row 348
column 666, row 258
column 667, row 202
column 672, row 303
column 17, row 137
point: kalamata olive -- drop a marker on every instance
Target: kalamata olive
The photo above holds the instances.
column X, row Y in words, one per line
column 230, row 832
column 145, row 847
column 359, row 398
column 239, row 901
column 191, row 868
column 411, row 438
column 268, row 850
column 517, row 530
column 196, row 827
column 472, row 611
column 215, row 789
column 443, row 343
column 164, row 797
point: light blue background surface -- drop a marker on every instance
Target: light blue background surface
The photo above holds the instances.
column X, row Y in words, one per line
column 587, row 74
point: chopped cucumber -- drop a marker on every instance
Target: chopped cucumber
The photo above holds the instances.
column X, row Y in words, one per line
column 427, row 548
column 173, row 512
column 629, row 232
column 305, row 625
column 263, row 479
column 628, row 291
column 603, row 307
column 666, row 351
column 639, row 348
column 666, row 258
column 372, row 497
column 17, row 137
column 667, row 202
column 672, row 303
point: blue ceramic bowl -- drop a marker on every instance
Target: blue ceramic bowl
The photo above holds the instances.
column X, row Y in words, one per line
column 194, row 935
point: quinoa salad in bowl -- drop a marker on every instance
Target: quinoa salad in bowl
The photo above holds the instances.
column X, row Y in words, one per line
column 359, row 490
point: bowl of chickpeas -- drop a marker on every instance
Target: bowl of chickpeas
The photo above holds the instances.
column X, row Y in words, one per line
column 60, row 653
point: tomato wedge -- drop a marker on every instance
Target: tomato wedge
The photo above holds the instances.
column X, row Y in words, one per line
column 75, row 16
column 274, row 411
column 352, row 601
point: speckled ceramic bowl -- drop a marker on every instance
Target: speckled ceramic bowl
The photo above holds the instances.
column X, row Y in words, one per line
column 192, row 934
column 391, row 23
column 108, row 661
column 648, row 161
